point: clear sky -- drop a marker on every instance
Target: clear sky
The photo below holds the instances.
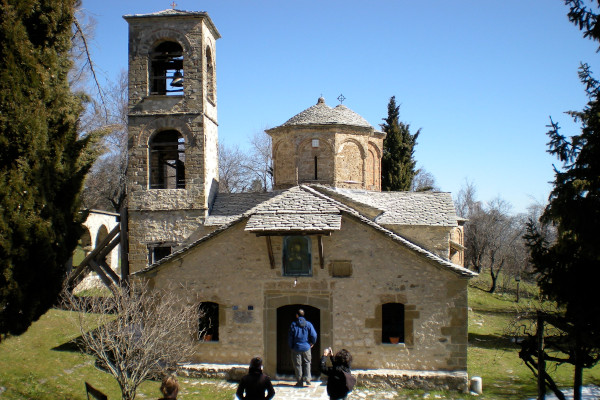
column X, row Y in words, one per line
column 480, row 77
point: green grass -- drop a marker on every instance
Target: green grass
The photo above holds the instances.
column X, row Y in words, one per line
column 42, row 364
column 493, row 355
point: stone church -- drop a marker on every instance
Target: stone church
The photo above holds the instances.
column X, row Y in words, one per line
column 378, row 273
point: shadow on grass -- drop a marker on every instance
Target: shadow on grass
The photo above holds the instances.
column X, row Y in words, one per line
column 498, row 342
column 73, row 346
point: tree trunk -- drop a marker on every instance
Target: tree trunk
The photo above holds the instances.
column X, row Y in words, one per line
column 541, row 363
column 578, row 378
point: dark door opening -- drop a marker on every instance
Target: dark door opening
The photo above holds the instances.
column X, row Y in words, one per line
column 285, row 316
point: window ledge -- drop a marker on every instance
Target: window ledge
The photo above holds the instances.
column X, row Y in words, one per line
column 397, row 345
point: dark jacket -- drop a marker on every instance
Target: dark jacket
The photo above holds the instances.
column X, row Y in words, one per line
column 301, row 335
column 336, row 384
column 255, row 384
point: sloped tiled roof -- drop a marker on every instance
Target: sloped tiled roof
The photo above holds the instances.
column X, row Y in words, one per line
column 295, row 210
column 229, row 206
column 167, row 12
column 305, row 208
column 294, row 222
column 402, row 208
column 322, row 114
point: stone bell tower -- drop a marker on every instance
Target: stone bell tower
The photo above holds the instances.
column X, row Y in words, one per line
column 172, row 173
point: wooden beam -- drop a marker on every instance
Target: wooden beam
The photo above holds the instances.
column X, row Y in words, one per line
column 109, row 247
column 270, row 250
column 97, row 269
column 108, row 270
column 82, row 266
column 124, row 247
column 321, row 258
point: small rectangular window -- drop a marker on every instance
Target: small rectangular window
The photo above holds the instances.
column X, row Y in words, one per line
column 156, row 253
column 392, row 323
column 208, row 322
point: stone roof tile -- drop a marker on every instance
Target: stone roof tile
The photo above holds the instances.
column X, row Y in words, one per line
column 403, row 208
column 294, row 222
column 322, row 114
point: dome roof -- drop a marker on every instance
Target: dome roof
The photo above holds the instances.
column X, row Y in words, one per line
column 322, row 114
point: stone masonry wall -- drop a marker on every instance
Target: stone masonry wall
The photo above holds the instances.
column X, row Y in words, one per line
column 342, row 156
column 434, row 238
column 189, row 113
column 158, row 227
column 233, row 270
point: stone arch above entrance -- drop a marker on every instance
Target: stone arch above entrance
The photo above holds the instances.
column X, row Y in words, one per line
column 275, row 301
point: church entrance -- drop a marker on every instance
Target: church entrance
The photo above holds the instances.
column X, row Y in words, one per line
column 285, row 316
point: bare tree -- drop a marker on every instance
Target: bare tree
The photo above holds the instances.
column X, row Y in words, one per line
column 246, row 172
column 105, row 185
column 233, row 174
column 493, row 235
column 135, row 334
column 260, row 162
column 424, row 181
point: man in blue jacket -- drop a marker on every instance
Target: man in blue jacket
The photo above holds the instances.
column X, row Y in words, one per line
column 301, row 338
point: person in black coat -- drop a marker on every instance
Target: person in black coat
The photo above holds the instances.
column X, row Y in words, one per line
column 255, row 384
column 340, row 377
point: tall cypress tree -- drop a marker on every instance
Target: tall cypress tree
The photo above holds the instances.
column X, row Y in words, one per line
column 43, row 162
column 397, row 163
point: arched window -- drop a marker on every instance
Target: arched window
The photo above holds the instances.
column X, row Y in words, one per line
column 166, row 69
column 392, row 323
column 208, row 322
column 167, row 161
column 210, row 75
column 297, row 260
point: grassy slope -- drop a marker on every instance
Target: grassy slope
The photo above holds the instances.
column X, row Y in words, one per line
column 492, row 353
column 41, row 365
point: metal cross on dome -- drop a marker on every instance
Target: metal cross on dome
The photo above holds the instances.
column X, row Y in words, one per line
column 173, row 5
column 341, row 98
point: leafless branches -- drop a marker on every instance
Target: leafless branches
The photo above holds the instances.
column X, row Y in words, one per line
column 135, row 334
column 246, row 172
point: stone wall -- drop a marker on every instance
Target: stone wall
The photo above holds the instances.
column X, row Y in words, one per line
column 166, row 227
column 169, row 216
column 347, row 156
column 233, row 270
column 433, row 238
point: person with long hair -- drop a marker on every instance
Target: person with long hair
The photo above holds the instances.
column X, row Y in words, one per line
column 256, row 385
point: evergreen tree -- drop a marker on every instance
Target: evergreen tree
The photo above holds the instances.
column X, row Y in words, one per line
column 566, row 266
column 397, row 163
column 43, row 162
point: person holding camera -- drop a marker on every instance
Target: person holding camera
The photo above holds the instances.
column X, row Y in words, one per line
column 340, row 381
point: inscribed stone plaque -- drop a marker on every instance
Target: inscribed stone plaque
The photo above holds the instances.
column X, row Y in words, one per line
column 341, row 269
column 242, row 317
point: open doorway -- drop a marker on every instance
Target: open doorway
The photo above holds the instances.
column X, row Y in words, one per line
column 285, row 316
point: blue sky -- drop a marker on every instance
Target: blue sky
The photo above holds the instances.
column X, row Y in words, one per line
column 479, row 77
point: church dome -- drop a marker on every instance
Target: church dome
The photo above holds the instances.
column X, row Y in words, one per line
column 322, row 114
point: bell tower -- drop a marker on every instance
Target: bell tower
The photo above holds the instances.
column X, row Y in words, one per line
column 172, row 174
